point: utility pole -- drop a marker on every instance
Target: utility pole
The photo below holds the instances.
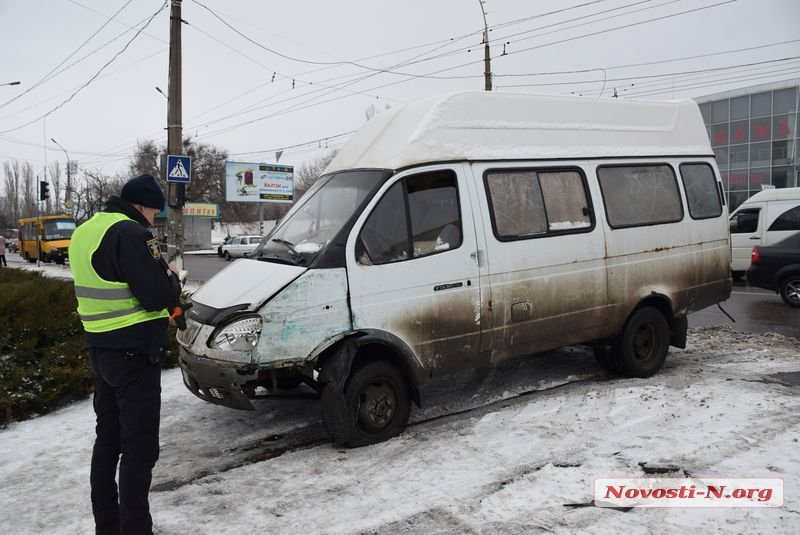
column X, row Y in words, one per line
column 175, row 137
column 487, row 57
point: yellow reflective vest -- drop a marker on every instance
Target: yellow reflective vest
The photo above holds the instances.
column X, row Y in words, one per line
column 102, row 305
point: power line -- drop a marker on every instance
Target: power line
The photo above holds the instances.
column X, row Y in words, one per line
column 48, row 76
column 662, row 75
column 92, row 79
column 440, row 44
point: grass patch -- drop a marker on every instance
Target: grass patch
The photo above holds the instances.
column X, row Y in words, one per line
column 44, row 360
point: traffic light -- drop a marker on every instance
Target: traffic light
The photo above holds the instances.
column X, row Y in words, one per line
column 44, row 190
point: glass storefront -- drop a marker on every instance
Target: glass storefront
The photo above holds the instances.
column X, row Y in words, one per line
column 755, row 140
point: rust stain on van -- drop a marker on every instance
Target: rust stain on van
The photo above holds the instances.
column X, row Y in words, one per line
column 444, row 336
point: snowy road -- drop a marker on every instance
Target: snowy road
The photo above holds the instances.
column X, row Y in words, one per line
column 507, row 450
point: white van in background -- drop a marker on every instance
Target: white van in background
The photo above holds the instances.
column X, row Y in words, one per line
column 463, row 230
column 766, row 218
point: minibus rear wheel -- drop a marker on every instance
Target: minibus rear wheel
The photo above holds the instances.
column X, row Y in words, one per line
column 642, row 347
column 376, row 405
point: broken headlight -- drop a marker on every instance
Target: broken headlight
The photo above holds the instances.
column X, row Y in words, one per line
column 239, row 335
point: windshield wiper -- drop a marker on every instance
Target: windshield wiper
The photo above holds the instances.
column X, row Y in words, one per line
column 289, row 245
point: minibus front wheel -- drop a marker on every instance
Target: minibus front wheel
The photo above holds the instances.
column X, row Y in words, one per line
column 373, row 407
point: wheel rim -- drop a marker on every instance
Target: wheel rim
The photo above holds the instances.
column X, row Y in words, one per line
column 793, row 290
column 646, row 343
column 377, row 406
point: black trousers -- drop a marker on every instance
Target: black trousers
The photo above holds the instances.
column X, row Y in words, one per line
column 3, row 259
column 127, row 402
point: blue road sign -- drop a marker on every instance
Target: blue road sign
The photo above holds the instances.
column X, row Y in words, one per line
column 179, row 168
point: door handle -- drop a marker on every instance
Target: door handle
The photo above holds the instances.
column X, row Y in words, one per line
column 448, row 286
column 755, row 237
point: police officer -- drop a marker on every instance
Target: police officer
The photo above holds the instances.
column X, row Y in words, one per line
column 124, row 290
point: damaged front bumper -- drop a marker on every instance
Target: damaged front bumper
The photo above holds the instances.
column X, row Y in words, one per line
column 217, row 381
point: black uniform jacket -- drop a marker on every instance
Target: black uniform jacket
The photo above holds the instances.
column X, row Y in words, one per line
column 125, row 256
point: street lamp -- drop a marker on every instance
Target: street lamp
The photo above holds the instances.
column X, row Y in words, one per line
column 11, row 83
column 162, row 93
column 68, row 194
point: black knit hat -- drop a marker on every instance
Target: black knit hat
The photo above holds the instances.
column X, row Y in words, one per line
column 144, row 190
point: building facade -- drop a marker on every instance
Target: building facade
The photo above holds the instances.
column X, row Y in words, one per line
column 754, row 134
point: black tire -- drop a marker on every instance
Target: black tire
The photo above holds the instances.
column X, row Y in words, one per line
column 736, row 275
column 642, row 347
column 605, row 358
column 790, row 290
column 227, row 256
column 374, row 406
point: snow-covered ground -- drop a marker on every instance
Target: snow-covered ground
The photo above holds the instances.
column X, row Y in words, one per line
column 512, row 449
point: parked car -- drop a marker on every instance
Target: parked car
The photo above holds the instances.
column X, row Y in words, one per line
column 777, row 267
column 225, row 241
column 241, row 246
column 462, row 230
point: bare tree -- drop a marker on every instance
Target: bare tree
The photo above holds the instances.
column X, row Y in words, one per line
column 12, row 183
column 147, row 159
column 29, row 194
column 96, row 191
column 309, row 172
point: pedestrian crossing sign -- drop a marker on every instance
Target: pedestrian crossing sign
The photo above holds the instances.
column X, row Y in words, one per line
column 179, row 168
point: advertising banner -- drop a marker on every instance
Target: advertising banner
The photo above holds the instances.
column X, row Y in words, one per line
column 259, row 182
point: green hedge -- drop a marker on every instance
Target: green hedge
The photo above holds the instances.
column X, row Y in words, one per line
column 44, row 360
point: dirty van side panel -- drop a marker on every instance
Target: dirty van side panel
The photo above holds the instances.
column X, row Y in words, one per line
column 305, row 314
column 655, row 246
column 546, row 257
column 413, row 268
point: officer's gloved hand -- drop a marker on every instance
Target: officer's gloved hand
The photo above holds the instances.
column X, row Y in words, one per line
column 178, row 315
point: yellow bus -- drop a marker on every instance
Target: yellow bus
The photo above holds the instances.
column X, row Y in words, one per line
column 48, row 235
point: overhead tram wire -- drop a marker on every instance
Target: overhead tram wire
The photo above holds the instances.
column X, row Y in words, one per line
column 301, row 106
column 94, row 76
column 448, row 42
column 668, row 80
column 452, row 68
column 662, row 75
column 648, row 63
column 17, row 112
column 664, row 17
column 50, row 74
column 710, row 83
column 157, row 38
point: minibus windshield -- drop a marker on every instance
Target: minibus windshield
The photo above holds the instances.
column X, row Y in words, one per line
column 58, row 229
column 318, row 216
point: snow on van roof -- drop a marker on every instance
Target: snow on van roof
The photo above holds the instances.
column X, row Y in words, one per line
column 502, row 126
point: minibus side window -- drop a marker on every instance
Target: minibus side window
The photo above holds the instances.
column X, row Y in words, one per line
column 384, row 237
column 434, row 213
column 530, row 203
column 640, row 195
column 789, row 220
column 745, row 221
column 418, row 216
column 702, row 194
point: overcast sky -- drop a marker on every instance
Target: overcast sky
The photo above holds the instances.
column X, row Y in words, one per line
column 300, row 75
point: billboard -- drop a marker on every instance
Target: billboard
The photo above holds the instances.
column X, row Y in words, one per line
column 259, row 182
